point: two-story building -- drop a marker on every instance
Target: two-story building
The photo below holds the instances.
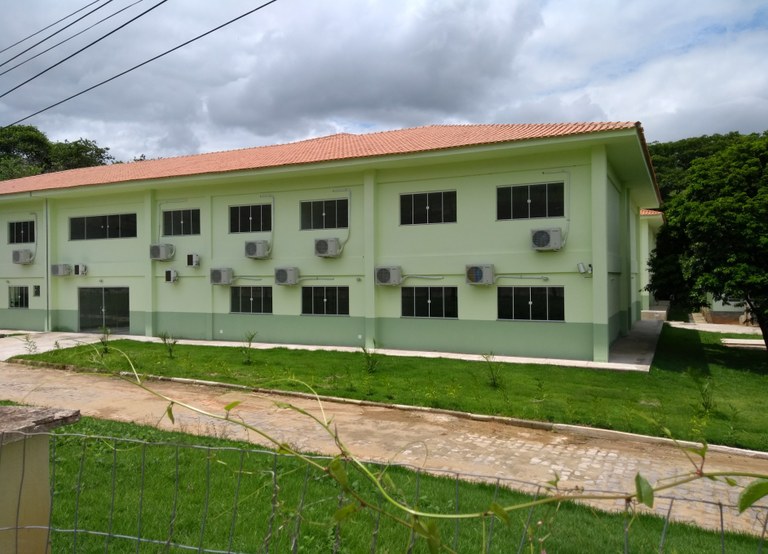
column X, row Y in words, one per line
column 512, row 239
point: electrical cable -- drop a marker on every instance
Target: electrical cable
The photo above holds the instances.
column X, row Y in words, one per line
column 48, row 27
column 86, row 47
column 38, row 43
column 104, row 82
column 121, row 10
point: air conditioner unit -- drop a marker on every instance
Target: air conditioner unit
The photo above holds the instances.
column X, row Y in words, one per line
column 389, row 275
column 81, row 269
column 222, row 276
column 327, row 248
column 286, row 275
column 61, row 270
column 161, row 251
column 193, row 260
column 480, row 274
column 171, row 275
column 547, row 239
column 257, row 249
column 23, row 257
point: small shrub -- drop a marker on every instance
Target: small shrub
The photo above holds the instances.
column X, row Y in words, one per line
column 247, row 351
column 29, row 344
column 706, row 388
column 106, row 333
column 493, row 372
column 169, row 342
column 370, row 358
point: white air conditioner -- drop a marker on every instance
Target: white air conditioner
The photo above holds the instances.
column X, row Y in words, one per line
column 222, row 276
column 286, row 275
column 161, row 251
column 480, row 274
column 257, row 249
column 81, row 269
column 171, row 275
column 547, row 239
column 193, row 260
column 23, row 257
column 61, row 270
column 327, row 248
column 389, row 275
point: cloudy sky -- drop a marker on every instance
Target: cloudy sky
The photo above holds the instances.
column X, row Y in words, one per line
column 303, row 68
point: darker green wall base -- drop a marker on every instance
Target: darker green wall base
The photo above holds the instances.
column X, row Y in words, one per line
column 22, row 319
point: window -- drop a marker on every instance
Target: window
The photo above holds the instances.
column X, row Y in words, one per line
column 18, row 297
column 532, row 303
column 181, row 222
column 117, row 226
column 21, row 231
column 325, row 300
column 530, row 201
column 428, row 207
column 440, row 302
column 249, row 219
column 325, row 214
column 251, row 300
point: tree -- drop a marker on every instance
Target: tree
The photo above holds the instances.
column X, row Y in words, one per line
column 717, row 222
column 25, row 150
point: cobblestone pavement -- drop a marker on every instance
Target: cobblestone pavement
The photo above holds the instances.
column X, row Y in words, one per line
column 433, row 440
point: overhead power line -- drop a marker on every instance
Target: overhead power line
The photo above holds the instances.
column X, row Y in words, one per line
column 38, row 43
column 47, row 27
column 86, row 47
column 104, row 82
column 99, row 22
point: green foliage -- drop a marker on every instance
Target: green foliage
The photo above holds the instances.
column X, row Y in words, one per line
column 169, row 342
column 79, row 153
column 371, row 359
column 247, row 349
column 493, row 372
column 106, row 333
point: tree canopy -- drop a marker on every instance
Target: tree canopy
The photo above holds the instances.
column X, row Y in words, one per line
column 25, row 150
column 715, row 239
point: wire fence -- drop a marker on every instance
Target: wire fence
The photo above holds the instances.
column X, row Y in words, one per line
column 111, row 494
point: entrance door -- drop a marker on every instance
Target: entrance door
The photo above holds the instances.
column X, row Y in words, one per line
column 104, row 307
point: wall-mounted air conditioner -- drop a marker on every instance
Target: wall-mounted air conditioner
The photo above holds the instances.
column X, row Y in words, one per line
column 222, row 276
column 480, row 274
column 327, row 248
column 61, row 270
column 389, row 275
column 171, row 275
column 286, row 275
column 161, row 251
column 193, row 260
column 257, row 249
column 547, row 239
column 80, row 269
column 23, row 257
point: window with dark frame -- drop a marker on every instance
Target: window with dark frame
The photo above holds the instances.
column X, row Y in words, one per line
column 249, row 219
column 181, row 222
column 430, row 302
column 325, row 300
column 324, row 214
column 117, row 226
column 18, row 297
column 251, row 300
column 20, row 232
column 531, row 303
column 428, row 207
column 530, row 201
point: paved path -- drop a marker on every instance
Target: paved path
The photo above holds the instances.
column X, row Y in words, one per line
column 426, row 439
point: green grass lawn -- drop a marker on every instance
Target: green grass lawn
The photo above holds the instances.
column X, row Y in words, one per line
column 697, row 389
column 186, row 489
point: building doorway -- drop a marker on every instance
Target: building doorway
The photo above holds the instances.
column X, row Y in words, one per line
column 101, row 308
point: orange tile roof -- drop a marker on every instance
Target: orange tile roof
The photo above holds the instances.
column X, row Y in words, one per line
column 342, row 146
column 650, row 212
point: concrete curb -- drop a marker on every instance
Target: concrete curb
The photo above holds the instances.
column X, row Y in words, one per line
column 563, row 428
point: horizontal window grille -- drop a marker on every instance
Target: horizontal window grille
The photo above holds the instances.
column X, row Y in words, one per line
column 325, row 300
column 20, row 232
column 249, row 219
column 251, row 300
column 325, row 214
column 428, row 207
column 532, row 303
column 530, row 201
column 181, row 222
column 434, row 302
column 117, row 226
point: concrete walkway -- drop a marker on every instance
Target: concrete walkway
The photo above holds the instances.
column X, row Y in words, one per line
column 582, row 457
